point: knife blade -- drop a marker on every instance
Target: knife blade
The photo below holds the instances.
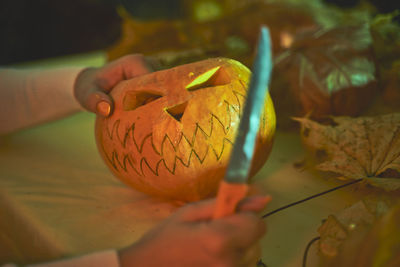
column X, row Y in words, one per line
column 234, row 186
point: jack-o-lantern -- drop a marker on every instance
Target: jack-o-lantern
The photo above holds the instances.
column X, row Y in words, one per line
column 171, row 132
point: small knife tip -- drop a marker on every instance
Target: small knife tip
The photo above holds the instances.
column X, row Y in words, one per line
column 265, row 39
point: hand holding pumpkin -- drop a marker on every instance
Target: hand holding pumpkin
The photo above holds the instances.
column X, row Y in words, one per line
column 93, row 84
column 191, row 237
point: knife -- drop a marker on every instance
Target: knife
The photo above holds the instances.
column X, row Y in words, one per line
column 234, row 187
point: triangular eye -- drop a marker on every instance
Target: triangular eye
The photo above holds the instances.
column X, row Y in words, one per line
column 211, row 78
column 177, row 111
column 133, row 100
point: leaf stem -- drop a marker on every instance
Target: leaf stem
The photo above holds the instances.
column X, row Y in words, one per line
column 307, row 249
column 311, row 197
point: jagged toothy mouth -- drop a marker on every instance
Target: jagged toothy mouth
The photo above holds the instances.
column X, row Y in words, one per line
column 208, row 140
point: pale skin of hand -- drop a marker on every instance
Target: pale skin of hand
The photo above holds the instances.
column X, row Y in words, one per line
column 93, row 85
column 191, row 237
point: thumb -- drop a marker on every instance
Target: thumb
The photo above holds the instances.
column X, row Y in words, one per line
column 100, row 103
column 197, row 211
column 136, row 65
column 254, row 203
column 204, row 210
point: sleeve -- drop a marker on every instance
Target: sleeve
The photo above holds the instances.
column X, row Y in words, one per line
column 31, row 97
column 108, row 258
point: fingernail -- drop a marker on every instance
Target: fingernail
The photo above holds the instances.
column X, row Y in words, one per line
column 103, row 108
column 267, row 199
column 264, row 199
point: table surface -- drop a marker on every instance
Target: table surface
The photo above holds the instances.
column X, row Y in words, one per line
column 58, row 198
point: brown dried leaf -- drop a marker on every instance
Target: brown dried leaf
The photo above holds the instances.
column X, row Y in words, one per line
column 363, row 147
column 391, row 85
column 325, row 72
column 337, row 228
column 385, row 33
column 332, row 235
column 376, row 244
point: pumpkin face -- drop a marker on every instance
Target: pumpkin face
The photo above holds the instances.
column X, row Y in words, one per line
column 171, row 132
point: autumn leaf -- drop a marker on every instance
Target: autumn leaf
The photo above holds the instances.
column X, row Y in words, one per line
column 363, row 147
column 337, row 228
column 385, row 33
column 341, row 52
column 365, row 234
column 391, row 85
column 326, row 72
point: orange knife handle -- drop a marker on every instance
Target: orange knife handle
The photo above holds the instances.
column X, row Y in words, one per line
column 229, row 195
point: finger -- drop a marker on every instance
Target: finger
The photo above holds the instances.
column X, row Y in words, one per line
column 204, row 210
column 154, row 64
column 255, row 190
column 100, row 103
column 198, row 211
column 251, row 256
column 124, row 68
column 136, row 65
column 242, row 229
column 254, row 203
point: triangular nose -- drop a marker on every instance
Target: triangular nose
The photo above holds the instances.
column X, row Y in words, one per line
column 177, row 111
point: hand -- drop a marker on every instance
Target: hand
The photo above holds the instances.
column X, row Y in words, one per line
column 190, row 237
column 93, row 84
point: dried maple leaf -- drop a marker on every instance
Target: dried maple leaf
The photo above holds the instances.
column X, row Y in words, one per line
column 385, row 33
column 363, row 147
column 337, row 228
column 391, row 84
column 369, row 237
column 326, row 72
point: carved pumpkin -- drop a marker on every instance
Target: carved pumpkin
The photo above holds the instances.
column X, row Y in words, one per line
column 171, row 132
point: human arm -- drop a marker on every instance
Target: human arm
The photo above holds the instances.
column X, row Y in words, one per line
column 31, row 97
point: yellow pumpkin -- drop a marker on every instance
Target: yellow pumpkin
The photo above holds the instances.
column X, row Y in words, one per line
column 171, row 132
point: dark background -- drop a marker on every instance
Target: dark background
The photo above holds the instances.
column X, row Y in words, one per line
column 34, row 29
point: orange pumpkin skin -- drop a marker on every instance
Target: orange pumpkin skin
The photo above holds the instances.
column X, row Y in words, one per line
column 171, row 132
